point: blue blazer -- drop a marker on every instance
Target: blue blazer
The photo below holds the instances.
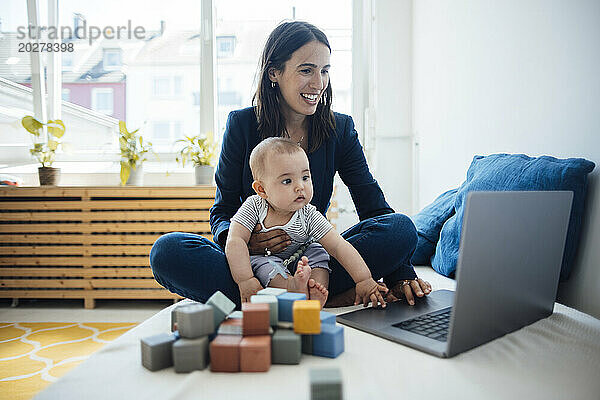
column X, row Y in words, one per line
column 341, row 153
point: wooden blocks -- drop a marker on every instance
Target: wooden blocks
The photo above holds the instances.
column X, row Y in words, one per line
column 285, row 347
column 255, row 353
column 231, row 326
column 285, row 304
column 157, row 351
column 271, row 291
column 190, row 354
column 195, row 320
column 326, row 384
column 256, row 319
column 222, row 307
column 327, row 318
column 306, row 315
column 225, row 353
column 273, row 309
column 330, row 342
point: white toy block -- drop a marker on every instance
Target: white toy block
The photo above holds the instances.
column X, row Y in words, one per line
column 195, row 320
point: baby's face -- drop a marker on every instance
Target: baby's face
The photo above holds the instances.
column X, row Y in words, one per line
column 287, row 181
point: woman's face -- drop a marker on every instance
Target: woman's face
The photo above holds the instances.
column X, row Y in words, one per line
column 304, row 78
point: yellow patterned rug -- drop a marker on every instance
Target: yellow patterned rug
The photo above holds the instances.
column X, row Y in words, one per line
column 33, row 355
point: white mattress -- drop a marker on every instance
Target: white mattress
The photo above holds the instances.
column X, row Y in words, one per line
column 555, row 358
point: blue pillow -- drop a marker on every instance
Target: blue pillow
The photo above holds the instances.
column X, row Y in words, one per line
column 429, row 222
column 499, row 172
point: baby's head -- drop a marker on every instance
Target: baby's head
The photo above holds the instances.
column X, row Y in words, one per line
column 281, row 174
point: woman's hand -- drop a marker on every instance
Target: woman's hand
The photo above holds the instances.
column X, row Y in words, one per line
column 408, row 289
column 275, row 241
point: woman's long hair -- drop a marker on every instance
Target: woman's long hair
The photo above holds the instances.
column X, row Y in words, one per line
column 282, row 42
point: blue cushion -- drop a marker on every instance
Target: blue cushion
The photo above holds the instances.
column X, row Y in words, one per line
column 429, row 222
column 499, row 172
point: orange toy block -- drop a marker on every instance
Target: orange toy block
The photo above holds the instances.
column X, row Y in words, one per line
column 256, row 319
column 255, row 353
column 307, row 320
column 225, row 353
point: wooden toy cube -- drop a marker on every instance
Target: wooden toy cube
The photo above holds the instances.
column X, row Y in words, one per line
column 285, row 347
column 256, row 319
column 330, row 342
column 190, row 354
column 271, row 291
column 326, row 384
column 184, row 303
column 272, row 302
column 236, row 314
column 195, row 320
column 285, row 303
column 306, row 317
column 222, row 307
column 327, row 318
column 225, row 353
column 231, row 326
column 255, row 353
column 157, row 351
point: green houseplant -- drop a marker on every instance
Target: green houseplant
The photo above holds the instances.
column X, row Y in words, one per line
column 201, row 151
column 133, row 154
column 44, row 150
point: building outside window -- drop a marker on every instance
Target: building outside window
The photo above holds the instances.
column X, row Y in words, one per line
column 225, row 46
column 102, row 100
column 112, row 59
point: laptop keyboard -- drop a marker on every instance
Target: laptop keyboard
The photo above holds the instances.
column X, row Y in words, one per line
column 433, row 325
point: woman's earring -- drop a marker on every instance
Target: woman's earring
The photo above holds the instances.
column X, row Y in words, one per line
column 273, row 84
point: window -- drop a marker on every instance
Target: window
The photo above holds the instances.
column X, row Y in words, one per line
column 164, row 134
column 196, row 98
column 67, row 61
column 167, row 86
column 225, row 46
column 102, row 100
column 66, row 94
column 111, row 59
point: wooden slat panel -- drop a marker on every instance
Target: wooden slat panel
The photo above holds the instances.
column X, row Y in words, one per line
column 145, row 272
column 79, row 283
column 107, row 204
column 110, row 191
column 76, row 261
column 102, row 227
column 86, row 238
column 107, row 216
column 126, row 250
column 98, row 294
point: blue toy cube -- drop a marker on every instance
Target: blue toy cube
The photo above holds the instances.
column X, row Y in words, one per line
column 327, row 318
column 285, row 303
column 330, row 342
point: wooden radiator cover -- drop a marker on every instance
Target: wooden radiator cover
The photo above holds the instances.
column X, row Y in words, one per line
column 92, row 242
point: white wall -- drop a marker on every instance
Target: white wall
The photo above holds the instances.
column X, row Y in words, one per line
column 510, row 76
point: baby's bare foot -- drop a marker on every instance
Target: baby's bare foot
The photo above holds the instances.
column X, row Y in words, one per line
column 317, row 291
column 299, row 282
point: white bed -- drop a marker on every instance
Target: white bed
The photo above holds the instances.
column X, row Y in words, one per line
column 555, row 358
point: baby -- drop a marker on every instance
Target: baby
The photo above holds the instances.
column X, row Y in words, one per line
column 283, row 193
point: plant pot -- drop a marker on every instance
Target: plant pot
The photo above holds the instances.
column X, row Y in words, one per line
column 48, row 176
column 204, row 174
column 136, row 176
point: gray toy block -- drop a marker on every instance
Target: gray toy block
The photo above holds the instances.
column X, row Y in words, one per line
column 157, row 351
column 285, row 347
column 236, row 315
column 307, row 344
column 325, row 384
column 271, row 291
column 195, row 320
column 273, row 308
column 222, row 307
column 174, row 312
column 190, row 354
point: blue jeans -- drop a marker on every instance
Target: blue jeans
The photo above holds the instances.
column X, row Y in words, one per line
column 195, row 268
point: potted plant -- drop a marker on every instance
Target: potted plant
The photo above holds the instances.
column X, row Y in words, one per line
column 201, row 151
column 133, row 150
column 45, row 150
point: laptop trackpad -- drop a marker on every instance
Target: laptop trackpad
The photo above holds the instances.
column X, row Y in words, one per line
column 398, row 311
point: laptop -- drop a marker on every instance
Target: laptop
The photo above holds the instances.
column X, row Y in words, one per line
column 509, row 263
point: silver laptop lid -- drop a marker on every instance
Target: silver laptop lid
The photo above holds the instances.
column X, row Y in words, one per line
column 514, row 242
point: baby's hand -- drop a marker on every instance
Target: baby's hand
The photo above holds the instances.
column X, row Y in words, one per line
column 248, row 288
column 370, row 291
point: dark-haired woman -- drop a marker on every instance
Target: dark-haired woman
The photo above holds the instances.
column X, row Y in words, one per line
column 293, row 99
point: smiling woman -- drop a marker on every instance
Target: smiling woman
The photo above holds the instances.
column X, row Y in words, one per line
column 293, row 99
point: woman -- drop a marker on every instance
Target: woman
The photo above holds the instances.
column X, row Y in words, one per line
column 293, row 99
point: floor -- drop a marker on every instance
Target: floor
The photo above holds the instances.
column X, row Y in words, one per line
column 66, row 310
